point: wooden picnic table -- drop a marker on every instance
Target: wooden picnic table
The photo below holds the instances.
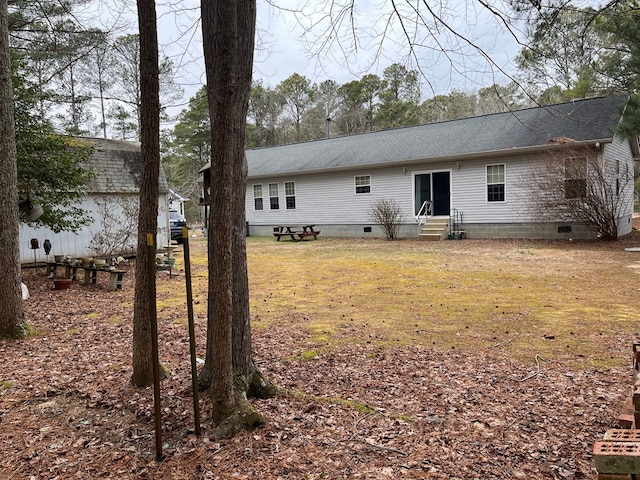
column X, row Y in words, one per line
column 301, row 233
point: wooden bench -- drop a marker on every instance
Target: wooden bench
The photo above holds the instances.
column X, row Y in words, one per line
column 70, row 271
column 617, row 455
column 116, row 277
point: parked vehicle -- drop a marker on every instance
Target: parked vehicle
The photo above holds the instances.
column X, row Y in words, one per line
column 176, row 221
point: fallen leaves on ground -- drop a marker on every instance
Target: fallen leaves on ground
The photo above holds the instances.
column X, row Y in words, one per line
column 355, row 411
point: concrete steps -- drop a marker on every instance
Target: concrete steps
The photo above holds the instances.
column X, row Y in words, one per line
column 435, row 229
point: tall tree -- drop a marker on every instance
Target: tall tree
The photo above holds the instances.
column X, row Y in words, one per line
column 561, row 46
column 265, row 109
column 370, row 86
column 448, row 107
column 187, row 148
column 352, row 116
column 12, row 321
column 54, row 47
column 127, row 78
column 99, row 78
column 228, row 30
column 298, row 93
column 400, row 97
column 149, row 189
column 619, row 61
column 499, row 98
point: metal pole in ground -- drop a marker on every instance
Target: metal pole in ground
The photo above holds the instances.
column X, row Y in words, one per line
column 192, row 336
column 151, row 262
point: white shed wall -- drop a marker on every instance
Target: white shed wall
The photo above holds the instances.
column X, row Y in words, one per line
column 77, row 244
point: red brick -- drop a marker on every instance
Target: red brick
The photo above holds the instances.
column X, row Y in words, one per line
column 636, row 395
column 617, row 457
column 625, row 419
column 622, row 435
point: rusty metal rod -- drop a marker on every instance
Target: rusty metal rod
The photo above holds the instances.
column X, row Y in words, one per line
column 192, row 335
column 151, row 263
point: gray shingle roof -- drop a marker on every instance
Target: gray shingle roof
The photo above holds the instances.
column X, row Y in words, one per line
column 582, row 120
column 117, row 165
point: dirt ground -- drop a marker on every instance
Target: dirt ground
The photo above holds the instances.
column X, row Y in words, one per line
column 357, row 410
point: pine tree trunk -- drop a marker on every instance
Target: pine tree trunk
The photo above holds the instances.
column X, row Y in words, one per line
column 149, row 190
column 12, row 322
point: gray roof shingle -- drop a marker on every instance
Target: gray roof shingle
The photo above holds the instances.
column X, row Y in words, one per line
column 581, row 120
column 117, row 165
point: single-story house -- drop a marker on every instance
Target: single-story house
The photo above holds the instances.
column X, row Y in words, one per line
column 112, row 201
column 176, row 202
column 468, row 174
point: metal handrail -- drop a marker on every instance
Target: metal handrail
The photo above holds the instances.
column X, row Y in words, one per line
column 422, row 217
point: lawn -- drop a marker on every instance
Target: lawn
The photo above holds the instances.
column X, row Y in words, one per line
column 447, row 360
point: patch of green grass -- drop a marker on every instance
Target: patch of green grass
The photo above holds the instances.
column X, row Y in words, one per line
column 115, row 320
column 322, row 333
column 309, row 355
column 6, row 384
column 359, row 407
column 32, row 331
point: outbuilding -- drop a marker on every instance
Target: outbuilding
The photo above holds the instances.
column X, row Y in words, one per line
column 112, row 201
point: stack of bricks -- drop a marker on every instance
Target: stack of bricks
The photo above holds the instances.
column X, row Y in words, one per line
column 617, row 455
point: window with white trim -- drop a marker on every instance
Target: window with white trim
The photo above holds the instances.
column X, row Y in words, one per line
column 290, row 195
column 274, row 201
column 495, row 183
column 257, row 197
column 363, row 184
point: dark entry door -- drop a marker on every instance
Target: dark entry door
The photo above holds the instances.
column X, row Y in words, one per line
column 441, row 193
column 434, row 188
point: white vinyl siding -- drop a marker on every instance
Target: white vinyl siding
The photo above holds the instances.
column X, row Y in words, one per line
column 328, row 198
column 79, row 244
column 620, row 151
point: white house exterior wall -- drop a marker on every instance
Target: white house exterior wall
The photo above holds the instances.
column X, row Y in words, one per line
column 620, row 150
column 329, row 201
column 330, row 198
column 469, row 193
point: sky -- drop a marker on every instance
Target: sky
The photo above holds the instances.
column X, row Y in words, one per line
column 299, row 36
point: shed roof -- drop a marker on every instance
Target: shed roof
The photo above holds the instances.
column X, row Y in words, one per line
column 581, row 120
column 118, row 166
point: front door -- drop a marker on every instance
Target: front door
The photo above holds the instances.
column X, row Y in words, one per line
column 435, row 188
